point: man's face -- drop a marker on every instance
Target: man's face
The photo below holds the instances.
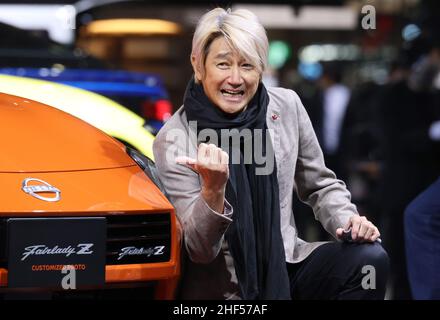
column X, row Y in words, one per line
column 230, row 81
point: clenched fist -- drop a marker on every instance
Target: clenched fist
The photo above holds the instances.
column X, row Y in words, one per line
column 212, row 164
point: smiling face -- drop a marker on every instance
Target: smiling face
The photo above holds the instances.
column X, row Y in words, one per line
column 229, row 81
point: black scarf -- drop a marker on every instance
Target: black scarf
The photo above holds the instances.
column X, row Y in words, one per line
column 254, row 236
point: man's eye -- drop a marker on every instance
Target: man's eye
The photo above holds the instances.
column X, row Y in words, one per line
column 222, row 65
column 247, row 66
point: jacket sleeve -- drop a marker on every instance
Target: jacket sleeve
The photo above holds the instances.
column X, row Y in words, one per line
column 203, row 228
column 316, row 184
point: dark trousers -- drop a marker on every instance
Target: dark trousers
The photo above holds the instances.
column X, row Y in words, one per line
column 346, row 271
column 422, row 238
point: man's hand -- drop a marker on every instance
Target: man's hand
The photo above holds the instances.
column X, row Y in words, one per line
column 212, row 165
column 362, row 230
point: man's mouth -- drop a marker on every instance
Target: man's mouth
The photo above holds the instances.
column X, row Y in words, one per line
column 232, row 93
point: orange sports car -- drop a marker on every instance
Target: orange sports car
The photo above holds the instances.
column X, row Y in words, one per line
column 79, row 212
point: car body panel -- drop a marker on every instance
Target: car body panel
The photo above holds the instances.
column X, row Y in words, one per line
column 97, row 192
column 142, row 93
column 99, row 111
column 103, row 81
column 52, row 140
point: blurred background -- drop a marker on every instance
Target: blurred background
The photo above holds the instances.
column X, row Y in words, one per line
column 367, row 73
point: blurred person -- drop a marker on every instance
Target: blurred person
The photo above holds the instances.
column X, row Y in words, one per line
column 239, row 229
column 330, row 116
column 422, row 215
column 411, row 152
column 422, row 238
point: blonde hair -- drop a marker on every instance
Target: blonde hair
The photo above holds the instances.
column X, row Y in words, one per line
column 241, row 30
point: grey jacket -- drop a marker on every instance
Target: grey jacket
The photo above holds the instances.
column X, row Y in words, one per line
column 209, row 271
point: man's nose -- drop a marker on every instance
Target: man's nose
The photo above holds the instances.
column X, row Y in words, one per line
column 235, row 77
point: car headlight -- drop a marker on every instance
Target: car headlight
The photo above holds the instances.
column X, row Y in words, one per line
column 148, row 166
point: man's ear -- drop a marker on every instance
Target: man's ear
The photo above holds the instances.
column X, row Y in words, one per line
column 197, row 73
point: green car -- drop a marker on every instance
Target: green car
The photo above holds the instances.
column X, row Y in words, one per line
column 101, row 112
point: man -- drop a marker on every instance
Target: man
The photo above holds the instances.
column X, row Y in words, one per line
column 333, row 109
column 235, row 202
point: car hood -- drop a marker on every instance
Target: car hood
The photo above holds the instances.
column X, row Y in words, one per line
column 39, row 138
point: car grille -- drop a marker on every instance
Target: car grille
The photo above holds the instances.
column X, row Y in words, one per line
column 144, row 238
column 3, row 243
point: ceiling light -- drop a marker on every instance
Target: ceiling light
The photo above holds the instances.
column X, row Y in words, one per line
column 123, row 27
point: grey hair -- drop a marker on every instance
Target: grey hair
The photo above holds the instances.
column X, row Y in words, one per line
column 241, row 30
